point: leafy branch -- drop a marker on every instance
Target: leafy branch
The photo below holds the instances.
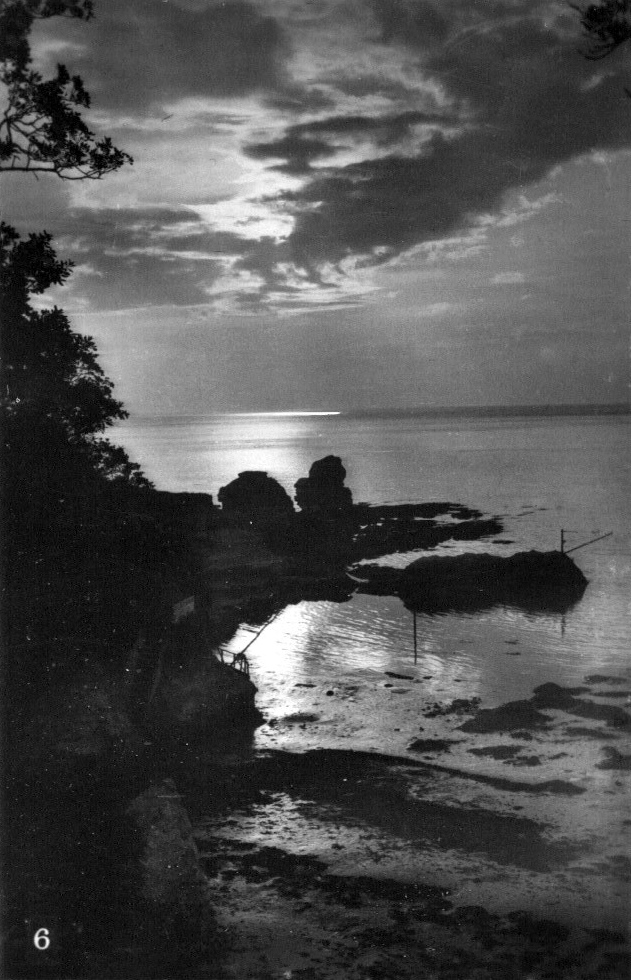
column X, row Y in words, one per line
column 41, row 127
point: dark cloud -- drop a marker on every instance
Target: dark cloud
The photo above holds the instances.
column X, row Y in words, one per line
column 382, row 207
column 411, row 21
column 296, row 149
column 306, row 142
column 532, row 103
column 147, row 52
column 295, row 99
column 388, row 128
column 367, row 84
column 137, row 280
column 128, row 257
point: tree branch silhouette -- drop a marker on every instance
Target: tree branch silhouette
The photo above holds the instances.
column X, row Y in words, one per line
column 606, row 25
column 41, row 128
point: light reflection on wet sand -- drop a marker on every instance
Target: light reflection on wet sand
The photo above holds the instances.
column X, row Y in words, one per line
column 344, row 651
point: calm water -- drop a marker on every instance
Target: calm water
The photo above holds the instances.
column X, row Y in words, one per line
column 539, row 475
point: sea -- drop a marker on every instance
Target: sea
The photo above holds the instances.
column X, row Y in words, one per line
column 324, row 670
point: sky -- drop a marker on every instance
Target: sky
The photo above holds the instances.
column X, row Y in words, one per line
column 345, row 204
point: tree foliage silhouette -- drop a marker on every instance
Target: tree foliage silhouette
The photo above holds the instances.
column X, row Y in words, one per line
column 53, row 392
column 606, row 25
column 41, row 128
column 70, row 537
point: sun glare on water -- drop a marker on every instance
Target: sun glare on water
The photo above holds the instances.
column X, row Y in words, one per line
column 268, row 415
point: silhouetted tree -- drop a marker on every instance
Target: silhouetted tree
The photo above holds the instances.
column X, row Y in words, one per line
column 74, row 527
column 54, row 395
column 41, row 128
column 606, row 25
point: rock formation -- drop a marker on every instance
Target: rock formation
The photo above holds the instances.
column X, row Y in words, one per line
column 255, row 496
column 534, row 580
column 323, row 491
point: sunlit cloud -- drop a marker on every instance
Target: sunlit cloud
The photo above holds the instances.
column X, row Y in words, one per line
column 397, row 165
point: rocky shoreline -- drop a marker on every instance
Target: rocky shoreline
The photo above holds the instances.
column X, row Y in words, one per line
column 101, row 847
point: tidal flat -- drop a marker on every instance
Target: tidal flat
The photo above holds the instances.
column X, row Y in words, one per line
column 479, row 855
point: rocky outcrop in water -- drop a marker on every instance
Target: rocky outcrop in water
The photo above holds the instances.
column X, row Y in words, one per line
column 529, row 579
column 255, row 495
column 323, row 491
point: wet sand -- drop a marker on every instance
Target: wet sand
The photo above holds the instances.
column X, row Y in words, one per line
column 473, row 855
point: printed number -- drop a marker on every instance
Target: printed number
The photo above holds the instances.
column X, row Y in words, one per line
column 41, row 939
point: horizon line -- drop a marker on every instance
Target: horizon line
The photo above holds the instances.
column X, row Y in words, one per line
column 544, row 408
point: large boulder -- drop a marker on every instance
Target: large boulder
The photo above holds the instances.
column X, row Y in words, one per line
column 255, row 496
column 323, row 491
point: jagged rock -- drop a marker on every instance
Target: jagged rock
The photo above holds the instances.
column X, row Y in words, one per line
column 323, row 490
column 255, row 495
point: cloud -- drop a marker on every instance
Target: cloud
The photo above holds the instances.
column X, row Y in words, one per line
column 148, row 53
column 517, row 78
column 322, row 138
column 379, row 208
column 297, row 149
column 415, row 129
column 418, row 23
column 131, row 258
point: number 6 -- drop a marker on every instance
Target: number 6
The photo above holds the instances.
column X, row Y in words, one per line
column 41, row 939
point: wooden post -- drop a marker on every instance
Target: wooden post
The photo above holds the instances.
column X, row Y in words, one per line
column 562, row 541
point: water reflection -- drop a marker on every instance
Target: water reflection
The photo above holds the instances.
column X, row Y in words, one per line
column 552, row 607
column 498, row 654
